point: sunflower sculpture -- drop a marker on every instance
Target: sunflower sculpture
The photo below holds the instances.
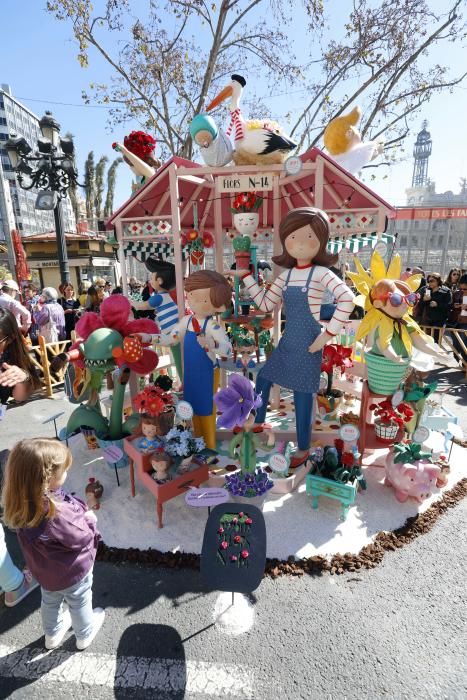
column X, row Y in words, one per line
column 388, row 302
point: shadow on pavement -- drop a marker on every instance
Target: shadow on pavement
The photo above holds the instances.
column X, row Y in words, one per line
column 164, row 676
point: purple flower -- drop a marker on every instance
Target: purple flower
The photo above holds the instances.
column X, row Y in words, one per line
column 236, row 402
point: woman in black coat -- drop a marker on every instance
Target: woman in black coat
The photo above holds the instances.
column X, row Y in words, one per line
column 435, row 303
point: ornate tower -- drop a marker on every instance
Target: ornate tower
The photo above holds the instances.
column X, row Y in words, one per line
column 421, row 153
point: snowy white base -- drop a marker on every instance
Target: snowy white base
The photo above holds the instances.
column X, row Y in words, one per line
column 293, row 527
column 233, row 619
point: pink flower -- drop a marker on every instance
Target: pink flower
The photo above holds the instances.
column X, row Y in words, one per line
column 244, row 554
column 220, row 530
column 224, row 545
column 237, row 539
column 248, row 521
column 235, row 521
column 233, row 558
column 241, row 514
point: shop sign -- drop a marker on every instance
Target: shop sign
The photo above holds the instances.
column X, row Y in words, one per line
column 245, row 183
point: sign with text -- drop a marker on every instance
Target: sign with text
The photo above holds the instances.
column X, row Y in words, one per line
column 245, row 183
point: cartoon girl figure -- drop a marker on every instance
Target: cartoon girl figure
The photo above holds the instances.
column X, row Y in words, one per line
column 296, row 362
column 202, row 340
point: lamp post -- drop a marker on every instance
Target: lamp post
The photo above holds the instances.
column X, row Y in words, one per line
column 51, row 170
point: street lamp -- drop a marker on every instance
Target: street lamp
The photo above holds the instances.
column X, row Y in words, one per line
column 49, row 169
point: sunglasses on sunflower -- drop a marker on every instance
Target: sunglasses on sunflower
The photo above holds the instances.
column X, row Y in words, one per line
column 396, row 299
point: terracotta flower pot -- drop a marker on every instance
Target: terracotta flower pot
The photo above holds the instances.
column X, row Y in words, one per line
column 242, row 259
column 197, row 257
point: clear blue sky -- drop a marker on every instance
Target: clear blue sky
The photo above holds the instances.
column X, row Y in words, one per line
column 39, row 63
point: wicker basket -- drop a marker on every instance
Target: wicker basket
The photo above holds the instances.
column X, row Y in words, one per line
column 386, row 432
column 384, row 376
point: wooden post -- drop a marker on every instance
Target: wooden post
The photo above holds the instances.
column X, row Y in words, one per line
column 45, row 367
column 218, row 231
column 319, row 183
column 176, row 232
column 276, row 219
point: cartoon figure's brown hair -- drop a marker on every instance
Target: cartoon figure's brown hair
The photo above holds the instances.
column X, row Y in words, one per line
column 219, row 289
column 319, row 224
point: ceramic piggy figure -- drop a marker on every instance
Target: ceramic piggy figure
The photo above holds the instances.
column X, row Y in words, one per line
column 415, row 478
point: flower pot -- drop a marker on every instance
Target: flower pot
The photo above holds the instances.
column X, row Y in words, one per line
column 242, row 259
column 90, row 437
column 384, row 376
column 197, row 257
column 122, row 461
column 329, row 403
column 246, row 223
column 386, row 432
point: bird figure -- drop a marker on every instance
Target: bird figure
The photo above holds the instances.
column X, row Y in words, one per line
column 257, row 141
column 343, row 141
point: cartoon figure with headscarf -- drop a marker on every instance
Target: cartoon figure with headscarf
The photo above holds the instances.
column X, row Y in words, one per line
column 215, row 146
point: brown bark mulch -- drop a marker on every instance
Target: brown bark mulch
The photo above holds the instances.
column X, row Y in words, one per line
column 370, row 556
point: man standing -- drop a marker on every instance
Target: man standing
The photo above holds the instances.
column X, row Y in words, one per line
column 8, row 301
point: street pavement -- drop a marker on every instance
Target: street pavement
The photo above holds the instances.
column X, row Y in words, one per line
column 397, row 631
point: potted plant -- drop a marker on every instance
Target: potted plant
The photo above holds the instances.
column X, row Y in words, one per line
column 245, row 210
column 266, row 342
column 242, row 247
column 336, row 473
column 390, row 419
column 197, row 244
column 238, row 403
column 335, row 358
column 182, row 446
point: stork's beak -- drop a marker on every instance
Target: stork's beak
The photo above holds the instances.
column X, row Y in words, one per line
column 223, row 95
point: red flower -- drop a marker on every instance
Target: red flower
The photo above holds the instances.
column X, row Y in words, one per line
column 208, row 239
column 336, row 356
column 192, row 235
column 237, row 539
column 246, row 202
column 240, row 515
column 220, row 530
column 224, row 545
column 348, row 459
column 140, row 143
column 339, row 444
column 115, row 313
column 248, row 521
column 244, row 554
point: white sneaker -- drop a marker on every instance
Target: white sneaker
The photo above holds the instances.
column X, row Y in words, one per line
column 99, row 615
column 56, row 639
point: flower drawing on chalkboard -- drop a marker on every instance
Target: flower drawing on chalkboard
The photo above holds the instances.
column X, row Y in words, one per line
column 233, row 536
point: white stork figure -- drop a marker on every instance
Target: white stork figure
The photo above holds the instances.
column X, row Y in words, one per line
column 257, row 141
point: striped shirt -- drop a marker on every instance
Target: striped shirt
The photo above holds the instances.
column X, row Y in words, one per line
column 166, row 310
column 237, row 123
column 267, row 299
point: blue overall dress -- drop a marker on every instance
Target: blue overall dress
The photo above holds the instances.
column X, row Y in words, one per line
column 198, row 373
column 291, row 365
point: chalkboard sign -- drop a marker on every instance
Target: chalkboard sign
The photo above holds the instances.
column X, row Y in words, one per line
column 233, row 557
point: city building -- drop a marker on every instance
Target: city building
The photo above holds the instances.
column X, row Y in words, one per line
column 89, row 256
column 432, row 228
column 17, row 119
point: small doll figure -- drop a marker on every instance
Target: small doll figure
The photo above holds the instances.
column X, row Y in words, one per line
column 94, row 492
column 160, row 462
column 214, row 145
column 150, row 427
column 245, row 353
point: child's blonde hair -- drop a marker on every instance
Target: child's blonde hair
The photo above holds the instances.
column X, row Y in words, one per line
column 31, row 465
